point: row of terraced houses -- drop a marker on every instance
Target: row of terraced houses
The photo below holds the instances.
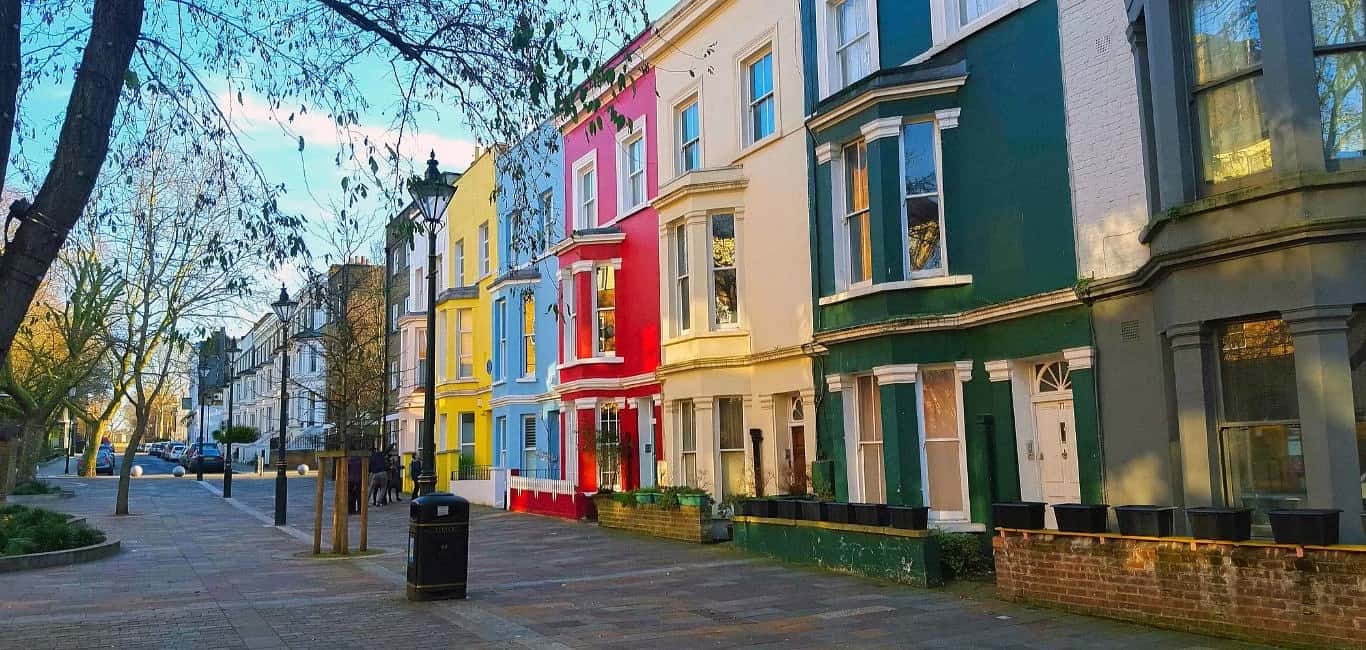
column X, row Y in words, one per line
column 918, row 252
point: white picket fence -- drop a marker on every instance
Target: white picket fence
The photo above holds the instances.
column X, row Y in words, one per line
column 538, row 485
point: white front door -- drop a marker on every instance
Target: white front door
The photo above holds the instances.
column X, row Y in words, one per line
column 1051, row 448
column 646, row 426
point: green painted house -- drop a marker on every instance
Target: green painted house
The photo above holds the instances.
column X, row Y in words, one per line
column 951, row 351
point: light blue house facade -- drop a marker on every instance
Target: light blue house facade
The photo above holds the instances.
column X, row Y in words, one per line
column 526, row 431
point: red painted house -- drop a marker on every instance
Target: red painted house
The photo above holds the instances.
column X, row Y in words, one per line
column 609, row 257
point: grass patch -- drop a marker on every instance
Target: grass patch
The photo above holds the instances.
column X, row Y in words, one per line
column 35, row 486
column 25, row 530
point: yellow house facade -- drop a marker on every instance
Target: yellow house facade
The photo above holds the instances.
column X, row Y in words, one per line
column 735, row 294
column 467, row 266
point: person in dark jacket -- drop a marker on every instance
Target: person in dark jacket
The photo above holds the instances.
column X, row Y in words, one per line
column 379, row 479
column 353, row 486
column 414, row 471
column 395, row 476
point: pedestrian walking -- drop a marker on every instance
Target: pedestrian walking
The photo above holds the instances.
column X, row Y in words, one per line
column 379, row 479
column 353, row 486
column 414, row 471
column 395, row 476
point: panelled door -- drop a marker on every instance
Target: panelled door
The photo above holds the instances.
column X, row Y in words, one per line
column 1054, row 444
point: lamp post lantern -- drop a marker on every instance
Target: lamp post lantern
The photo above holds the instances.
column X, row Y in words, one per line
column 230, row 360
column 284, row 310
column 432, row 194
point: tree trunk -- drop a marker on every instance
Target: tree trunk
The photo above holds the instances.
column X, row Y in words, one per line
column 7, row 452
column 129, row 456
column 29, row 447
column 81, row 149
column 93, row 436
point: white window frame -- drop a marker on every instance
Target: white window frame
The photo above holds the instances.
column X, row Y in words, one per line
column 721, row 451
column 681, row 267
column 547, row 219
column 687, row 427
column 442, row 327
column 947, row 27
column 962, row 372
column 939, row 190
column 528, row 336
column 484, row 257
column 604, row 407
column 828, row 75
column 460, row 262
column 585, row 208
column 712, row 269
column 474, row 435
column 693, row 100
column 858, row 442
column 625, row 177
column 838, row 171
column 529, row 447
column 464, row 317
column 597, row 321
column 500, row 316
column 750, row 58
column 570, row 326
column 441, row 440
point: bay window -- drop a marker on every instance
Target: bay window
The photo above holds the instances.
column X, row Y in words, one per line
column 528, row 443
column 1259, row 427
column 724, row 293
column 682, row 288
column 609, row 447
column 687, row 437
column 605, row 309
column 943, row 453
column 528, row 335
column 1226, row 71
column 483, row 249
column 1339, row 64
column 872, row 477
column 569, row 344
column 459, row 263
column 922, row 202
column 731, row 444
column 500, row 324
column 856, row 216
column 466, row 439
column 464, row 343
column 971, row 10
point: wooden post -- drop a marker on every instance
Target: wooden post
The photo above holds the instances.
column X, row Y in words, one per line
column 318, row 510
column 338, row 505
column 364, row 502
column 344, row 486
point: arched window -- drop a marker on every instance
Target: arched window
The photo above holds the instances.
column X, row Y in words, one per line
column 1052, row 377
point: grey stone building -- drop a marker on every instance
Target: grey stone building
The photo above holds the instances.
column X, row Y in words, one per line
column 397, row 248
column 1232, row 363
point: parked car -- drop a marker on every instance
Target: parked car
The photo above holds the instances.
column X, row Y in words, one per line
column 104, row 463
column 208, row 455
column 155, row 448
column 143, row 448
column 174, row 452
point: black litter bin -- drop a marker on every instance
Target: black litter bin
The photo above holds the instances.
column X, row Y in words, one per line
column 438, row 546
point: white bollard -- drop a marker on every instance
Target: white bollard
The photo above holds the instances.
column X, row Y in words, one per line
column 178, row 471
column 136, row 471
column 302, row 469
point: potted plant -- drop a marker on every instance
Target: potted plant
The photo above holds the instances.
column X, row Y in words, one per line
column 868, row 514
column 908, row 517
column 1224, row 524
column 1146, row 520
column 646, row 496
column 1022, row 515
column 835, row 512
column 1082, row 517
column 809, row 510
column 1311, row 526
column 622, row 498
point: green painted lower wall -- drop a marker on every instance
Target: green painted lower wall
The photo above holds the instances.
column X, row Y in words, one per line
column 1086, row 410
column 909, row 560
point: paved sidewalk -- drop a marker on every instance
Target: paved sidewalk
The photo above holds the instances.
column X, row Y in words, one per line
column 203, row 572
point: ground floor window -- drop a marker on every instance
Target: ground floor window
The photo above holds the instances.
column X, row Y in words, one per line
column 731, row 444
column 943, row 447
column 609, row 447
column 1259, row 429
column 872, row 475
column 687, row 434
column 1356, row 350
column 529, row 442
column 466, row 439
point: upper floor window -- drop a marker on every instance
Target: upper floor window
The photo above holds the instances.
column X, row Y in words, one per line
column 1226, row 72
column 853, row 41
column 970, row 10
column 547, row 217
column 682, row 282
column 631, row 159
column 528, row 335
column 723, row 289
column 856, row 217
column 464, row 343
column 759, row 115
column 689, row 137
column 483, row 248
column 500, row 317
column 460, row 263
column 419, row 288
column 605, row 306
column 569, row 329
column 921, row 195
column 1339, row 65
column 586, row 189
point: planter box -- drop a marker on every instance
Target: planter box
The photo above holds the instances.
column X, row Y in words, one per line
column 809, row 510
column 908, row 517
column 683, row 523
column 1224, row 524
column 835, row 512
column 1024, row 515
column 1081, row 517
column 783, row 508
column 694, row 500
column 1315, row 527
column 647, row 497
column 761, row 507
column 1146, row 521
column 868, row 514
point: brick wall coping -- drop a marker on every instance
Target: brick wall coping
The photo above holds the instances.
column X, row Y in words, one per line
column 830, row 525
column 1103, row 537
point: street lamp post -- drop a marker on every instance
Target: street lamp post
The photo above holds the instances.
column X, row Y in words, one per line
column 203, row 377
column 432, row 194
column 230, row 351
column 284, row 310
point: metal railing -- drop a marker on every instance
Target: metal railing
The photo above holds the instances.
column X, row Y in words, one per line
column 472, row 473
column 551, row 472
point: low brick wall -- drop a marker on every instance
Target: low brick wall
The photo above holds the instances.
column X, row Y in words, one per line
column 685, row 523
column 1257, row 591
column 567, row 506
column 907, row 556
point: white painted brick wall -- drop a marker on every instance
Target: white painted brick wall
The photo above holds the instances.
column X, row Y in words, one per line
column 1104, row 141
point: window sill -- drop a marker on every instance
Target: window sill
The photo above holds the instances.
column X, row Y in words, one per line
column 733, row 332
column 524, row 380
column 899, row 285
column 500, row 382
column 591, row 361
column 982, row 22
column 752, row 147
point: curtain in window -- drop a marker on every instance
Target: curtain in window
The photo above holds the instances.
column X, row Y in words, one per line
column 942, row 442
column 730, row 417
column 870, row 460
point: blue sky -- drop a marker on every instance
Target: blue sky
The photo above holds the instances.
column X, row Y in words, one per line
column 311, row 176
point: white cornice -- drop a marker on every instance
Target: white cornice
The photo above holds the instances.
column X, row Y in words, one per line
column 893, row 93
column 883, row 127
column 998, row 370
column 586, row 239
column 825, row 152
column 581, row 266
column 835, row 383
column 905, row 373
column 947, row 117
column 964, row 369
column 608, row 383
column 1036, row 304
column 1079, row 358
